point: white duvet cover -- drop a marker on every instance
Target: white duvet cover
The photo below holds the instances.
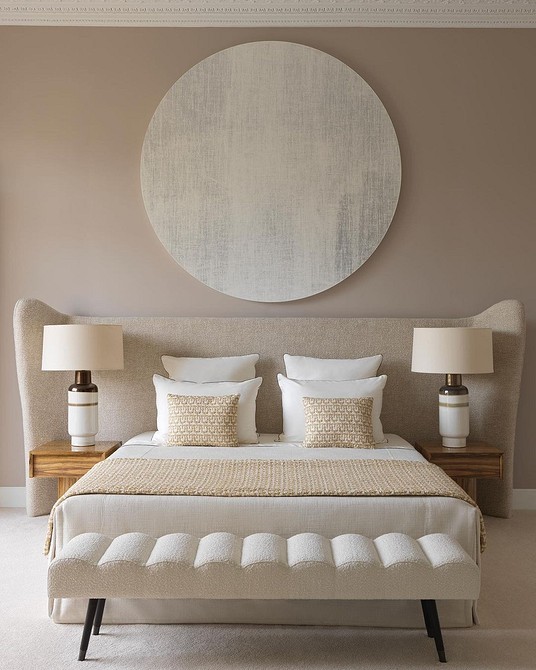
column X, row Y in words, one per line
column 329, row 516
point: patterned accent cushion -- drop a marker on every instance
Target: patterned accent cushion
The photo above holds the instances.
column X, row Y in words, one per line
column 203, row 421
column 293, row 391
column 246, row 428
column 338, row 422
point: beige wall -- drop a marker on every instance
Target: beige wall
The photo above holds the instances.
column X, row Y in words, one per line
column 74, row 106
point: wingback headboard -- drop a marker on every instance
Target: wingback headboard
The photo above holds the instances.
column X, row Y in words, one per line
column 127, row 404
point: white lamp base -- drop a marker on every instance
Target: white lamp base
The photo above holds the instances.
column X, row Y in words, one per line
column 454, row 420
column 454, row 412
column 454, row 442
column 83, row 418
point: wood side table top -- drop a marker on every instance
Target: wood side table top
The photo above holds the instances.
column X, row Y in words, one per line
column 63, row 448
column 57, row 459
column 478, row 459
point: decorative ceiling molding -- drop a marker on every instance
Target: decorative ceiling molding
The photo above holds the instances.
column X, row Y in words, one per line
column 251, row 13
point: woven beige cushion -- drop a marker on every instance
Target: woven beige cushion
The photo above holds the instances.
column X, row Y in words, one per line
column 203, row 421
column 264, row 566
column 338, row 422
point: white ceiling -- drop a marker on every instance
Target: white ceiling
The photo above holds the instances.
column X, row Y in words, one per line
column 379, row 13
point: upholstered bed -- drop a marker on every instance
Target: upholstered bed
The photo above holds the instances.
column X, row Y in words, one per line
column 127, row 408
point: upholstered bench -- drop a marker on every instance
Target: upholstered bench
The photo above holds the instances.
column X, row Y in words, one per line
column 264, row 566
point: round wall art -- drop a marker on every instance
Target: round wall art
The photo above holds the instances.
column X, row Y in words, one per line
column 270, row 171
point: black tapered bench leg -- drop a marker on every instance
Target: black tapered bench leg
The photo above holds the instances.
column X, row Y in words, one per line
column 98, row 615
column 426, row 621
column 431, row 618
column 86, row 633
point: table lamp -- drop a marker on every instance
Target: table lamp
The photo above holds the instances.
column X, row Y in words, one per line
column 82, row 348
column 453, row 352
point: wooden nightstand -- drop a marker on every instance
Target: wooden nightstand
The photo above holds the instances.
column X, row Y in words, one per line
column 57, row 459
column 478, row 460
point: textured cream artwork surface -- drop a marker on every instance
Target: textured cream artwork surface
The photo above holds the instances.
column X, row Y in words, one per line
column 270, row 171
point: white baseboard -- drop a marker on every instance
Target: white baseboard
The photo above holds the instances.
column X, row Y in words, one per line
column 12, row 496
column 15, row 496
column 524, row 499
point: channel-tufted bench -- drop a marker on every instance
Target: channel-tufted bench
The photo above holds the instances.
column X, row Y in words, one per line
column 264, row 566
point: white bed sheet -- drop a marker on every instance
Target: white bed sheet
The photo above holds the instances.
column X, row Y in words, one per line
column 329, row 516
column 269, row 446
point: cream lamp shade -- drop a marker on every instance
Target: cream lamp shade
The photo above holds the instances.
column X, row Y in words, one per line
column 452, row 350
column 82, row 348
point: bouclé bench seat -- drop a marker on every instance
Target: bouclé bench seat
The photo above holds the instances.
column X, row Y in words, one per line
column 264, row 566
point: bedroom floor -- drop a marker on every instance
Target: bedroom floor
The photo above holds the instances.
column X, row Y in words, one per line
column 506, row 637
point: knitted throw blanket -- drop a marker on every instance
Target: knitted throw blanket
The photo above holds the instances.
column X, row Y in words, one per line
column 264, row 478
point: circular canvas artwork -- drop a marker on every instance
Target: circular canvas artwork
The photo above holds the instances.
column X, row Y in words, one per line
column 270, row 171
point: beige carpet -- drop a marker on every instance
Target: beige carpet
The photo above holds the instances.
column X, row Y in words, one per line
column 506, row 637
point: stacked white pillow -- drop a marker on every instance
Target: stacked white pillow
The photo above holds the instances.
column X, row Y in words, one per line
column 201, row 370
column 341, row 378
column 246, row 428
column 332, row 369
column 223, row 376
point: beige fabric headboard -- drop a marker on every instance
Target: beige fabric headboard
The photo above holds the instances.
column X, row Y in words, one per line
column 127, row 404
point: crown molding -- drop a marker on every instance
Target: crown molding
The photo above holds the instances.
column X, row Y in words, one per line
column 251, row 13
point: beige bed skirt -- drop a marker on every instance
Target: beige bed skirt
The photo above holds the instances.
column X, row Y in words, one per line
column 376, row 613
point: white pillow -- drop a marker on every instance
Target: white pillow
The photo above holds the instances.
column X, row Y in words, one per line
column 294, row 390
column 247, row 390
column 334, row 369
column 223, row 369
